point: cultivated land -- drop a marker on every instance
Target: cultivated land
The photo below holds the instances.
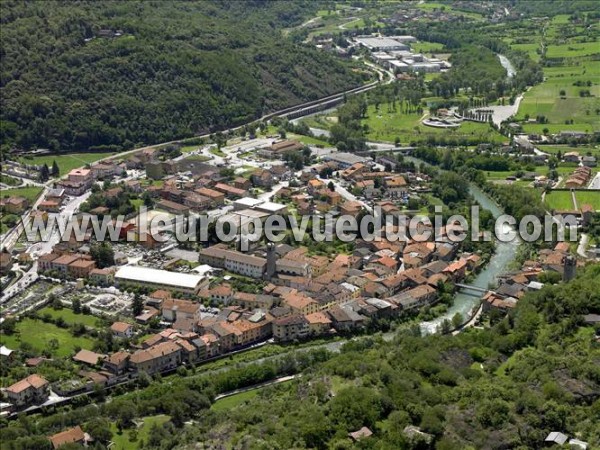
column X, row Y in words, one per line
column 570, row 61
column 31, row 193
column 66, row 162
column 232, row 401
column 563, row 199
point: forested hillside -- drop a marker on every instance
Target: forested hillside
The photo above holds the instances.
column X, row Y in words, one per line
column 89, row 74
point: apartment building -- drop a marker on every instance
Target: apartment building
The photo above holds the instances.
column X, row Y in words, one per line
column 158, row 358
column 291, row 328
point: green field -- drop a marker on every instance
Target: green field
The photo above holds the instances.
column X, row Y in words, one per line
column 531, row 49
column 66, row 162
column 123, row 441
column 232, row 401
column 386, row 126
column 70, row 317
column 573, row 50
column 308, row 140
column 559, row 200
column 39, row 334
column 582, row 150
column 540, row 170
column 426, row 47
column 31, row 193
column 592, row 198
column 558, row 98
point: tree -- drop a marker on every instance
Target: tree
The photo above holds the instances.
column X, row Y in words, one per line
column 76, row 306
column 44, row 173
column 148, row 200
column 55, row 170
column 99, row 429
column 457, row 320
column 103, row 254
column 331, row 186
column 137, row 306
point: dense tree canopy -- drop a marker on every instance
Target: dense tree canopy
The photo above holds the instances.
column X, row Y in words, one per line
column 173, row 70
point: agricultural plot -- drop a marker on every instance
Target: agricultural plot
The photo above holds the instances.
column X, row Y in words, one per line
column 559, row 200
column 67, row 162
column 31, row 193
column 590, row 198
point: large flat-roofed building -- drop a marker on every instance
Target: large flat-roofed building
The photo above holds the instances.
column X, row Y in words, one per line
column 160, row 279
column 346, row 160
column 246, row 202
column 272, row 208
column 382, row 44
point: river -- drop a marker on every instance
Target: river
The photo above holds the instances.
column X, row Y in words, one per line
column 510, row 69
column 498, row 264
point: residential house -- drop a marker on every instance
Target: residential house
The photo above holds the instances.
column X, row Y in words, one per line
column 174, row 309
column 117, row 363
column 122, row 330
column 158, row 358
column 262, row 178
column 31, row 390
column 81, row 268
column 14, row 204
column 318, row 323
column 216, row 197
column 73, row 435
column 103, row 277
column 344, row 318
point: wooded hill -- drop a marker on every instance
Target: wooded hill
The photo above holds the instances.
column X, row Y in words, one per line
column 119, row 74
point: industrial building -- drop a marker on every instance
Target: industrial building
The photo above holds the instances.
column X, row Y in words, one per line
column 160, row 279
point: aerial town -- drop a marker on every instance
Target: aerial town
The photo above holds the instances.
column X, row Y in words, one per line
column 84, row 319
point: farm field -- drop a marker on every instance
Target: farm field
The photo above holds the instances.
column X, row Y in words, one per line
column 540, row 170
column 563, row 199
column 572, row 50
column 31, row 193
column 66, row 162
column 559, row 200
column 308, row 140
column 569, row 96
column 427, row 47
column 591, row 198
column 582, row 150
column 41, row 335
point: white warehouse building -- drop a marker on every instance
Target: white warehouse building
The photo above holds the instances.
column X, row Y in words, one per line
column 160, row 279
